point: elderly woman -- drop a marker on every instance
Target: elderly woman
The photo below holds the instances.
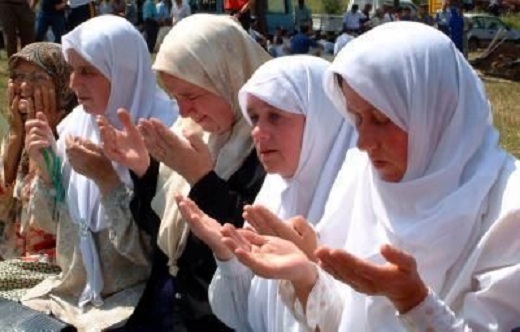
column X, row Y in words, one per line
column 429, row 225
column 103, row 256
column 38, row 82
column 203, row 62
column 301, row 141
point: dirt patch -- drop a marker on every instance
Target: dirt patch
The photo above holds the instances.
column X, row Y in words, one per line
column 501, row 61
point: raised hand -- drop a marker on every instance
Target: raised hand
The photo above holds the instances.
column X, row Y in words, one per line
column 39, row 136
column 16, row 122
column 125, row 147
column 297, row 229
column 204, row 227
column 269, row 257
column 87, row 158
column 398, row 279
column 189, row 155
column 45, row 102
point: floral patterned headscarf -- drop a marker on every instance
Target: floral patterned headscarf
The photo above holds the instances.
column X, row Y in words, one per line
column 49, row 57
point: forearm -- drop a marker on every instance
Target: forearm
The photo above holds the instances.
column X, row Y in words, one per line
column 107, row 182
column 323, row 304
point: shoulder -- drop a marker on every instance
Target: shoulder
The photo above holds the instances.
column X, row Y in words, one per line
column 506, row 191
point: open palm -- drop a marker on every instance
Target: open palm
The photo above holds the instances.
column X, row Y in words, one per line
column 204, row 227
column 125, row 147
column 269, row 257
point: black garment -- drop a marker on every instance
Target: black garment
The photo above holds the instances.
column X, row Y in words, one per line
column 181, row 303
column 79, row 15
column 151, row 30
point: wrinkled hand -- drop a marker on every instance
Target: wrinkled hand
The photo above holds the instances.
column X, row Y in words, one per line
column 87, row 158
column 45, row 102
column 204, row 227
column 16, row 122
column 398, row 279
column 125, row 147
column 296, row 230
column 39, row 136
column 189, row 155
column 268, row 256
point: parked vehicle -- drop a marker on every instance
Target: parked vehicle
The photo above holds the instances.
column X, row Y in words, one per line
column 484, row 29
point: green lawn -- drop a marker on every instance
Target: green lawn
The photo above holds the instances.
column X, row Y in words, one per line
column 504, row 96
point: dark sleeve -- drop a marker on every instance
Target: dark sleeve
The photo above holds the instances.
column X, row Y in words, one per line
column 224, row 200
column 144, row 191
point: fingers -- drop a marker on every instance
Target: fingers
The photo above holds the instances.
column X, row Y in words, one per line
column 13, row 107
column 126, row 120
column 257, row 221
column 10, row 91
column 38, row 101
column 252, row 237
column 395, row 256
column 233, row 239
column 31, row 109
column 254, row 262
column 196, row 141
column 303, row 227
column 107, row 133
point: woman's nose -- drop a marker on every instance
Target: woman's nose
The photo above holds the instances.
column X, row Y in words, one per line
column 367, row 138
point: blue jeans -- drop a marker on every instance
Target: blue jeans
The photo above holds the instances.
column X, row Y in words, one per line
column 55, row 20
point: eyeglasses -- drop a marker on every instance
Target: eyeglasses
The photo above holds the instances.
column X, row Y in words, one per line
column 36, row 77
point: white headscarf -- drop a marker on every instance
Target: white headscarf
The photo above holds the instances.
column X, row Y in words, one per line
column 293, row 84
column 215, row 53
column 118, row 51
column 426, row 87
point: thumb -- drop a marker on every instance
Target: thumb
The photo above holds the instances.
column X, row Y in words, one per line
column 41, row 116
column 89, row 145
column 196, row 141
column 301, row 225
column 398, row 257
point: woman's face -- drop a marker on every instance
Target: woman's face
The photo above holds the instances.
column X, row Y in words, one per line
column 385, row 143
column 211, row 112
column 277, row 135
column 26, row 78
column 91, row 87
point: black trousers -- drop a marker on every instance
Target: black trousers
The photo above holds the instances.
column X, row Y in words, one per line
column 151, row 29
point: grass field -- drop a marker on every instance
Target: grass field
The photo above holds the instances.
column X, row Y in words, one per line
column 504, row 96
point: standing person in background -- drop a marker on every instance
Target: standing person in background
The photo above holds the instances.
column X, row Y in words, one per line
column 366, row 16
column 456, row 24
column 131, row 12
column 302, row 15
column 163, row 13
column 80, row 11
column 352, row 20
column 151, row 26
column 17, row 20
column 388, row 15
column 442, row 17
column 241, row 10
column 423, row 15
column 105, row 7
column 180, row 10
column 51, row 13
column 118, row 7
